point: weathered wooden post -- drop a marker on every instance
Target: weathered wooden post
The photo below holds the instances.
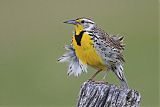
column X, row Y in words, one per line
column 100, row 94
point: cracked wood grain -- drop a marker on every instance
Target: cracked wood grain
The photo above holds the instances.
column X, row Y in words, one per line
column 100, row 94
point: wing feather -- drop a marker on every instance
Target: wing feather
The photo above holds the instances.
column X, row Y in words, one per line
column 110, row 48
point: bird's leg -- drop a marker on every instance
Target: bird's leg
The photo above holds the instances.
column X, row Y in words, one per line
column 104, row 77
column 95, row 74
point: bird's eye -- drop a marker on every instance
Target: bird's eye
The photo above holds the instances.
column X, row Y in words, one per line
column 82, row 21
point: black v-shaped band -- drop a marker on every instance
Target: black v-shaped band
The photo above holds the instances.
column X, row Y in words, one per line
column 79, row 37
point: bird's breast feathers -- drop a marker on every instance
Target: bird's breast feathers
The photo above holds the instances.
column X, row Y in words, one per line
column 85, row 51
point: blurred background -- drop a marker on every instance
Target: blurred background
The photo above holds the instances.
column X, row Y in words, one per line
column 32, row 37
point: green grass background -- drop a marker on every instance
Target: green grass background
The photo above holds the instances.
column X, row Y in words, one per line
column 32, row 37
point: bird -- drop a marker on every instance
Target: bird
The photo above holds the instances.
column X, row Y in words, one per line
column 92, row 46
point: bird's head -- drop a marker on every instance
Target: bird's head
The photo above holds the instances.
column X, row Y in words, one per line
column 82, row 24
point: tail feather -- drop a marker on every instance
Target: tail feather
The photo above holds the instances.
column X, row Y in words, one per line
column 118, row 70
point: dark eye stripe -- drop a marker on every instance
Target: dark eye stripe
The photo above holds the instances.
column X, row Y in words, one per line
column 82, row 21
column 86, row 22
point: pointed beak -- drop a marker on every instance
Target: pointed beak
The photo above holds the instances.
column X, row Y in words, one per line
column 71, row 22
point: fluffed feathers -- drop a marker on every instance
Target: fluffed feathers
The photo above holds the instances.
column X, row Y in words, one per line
column 76, row 67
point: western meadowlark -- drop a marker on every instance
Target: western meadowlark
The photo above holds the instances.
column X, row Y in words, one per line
column 92, row 46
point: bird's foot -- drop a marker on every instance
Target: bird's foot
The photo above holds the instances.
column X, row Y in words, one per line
column 98, row 81
column 91, row 80
column 101, row 81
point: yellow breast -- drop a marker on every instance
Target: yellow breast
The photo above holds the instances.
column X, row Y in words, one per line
column 86, row 52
